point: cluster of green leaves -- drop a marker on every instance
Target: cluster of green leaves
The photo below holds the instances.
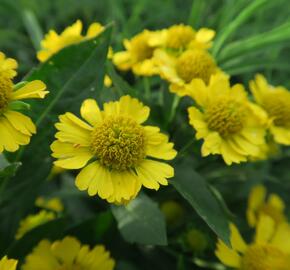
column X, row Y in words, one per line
column 248, row 40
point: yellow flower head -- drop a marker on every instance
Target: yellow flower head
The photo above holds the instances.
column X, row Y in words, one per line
column 117, row 147
column 15, row 128
column 181, row 70
column 53, row 204
column 276, row 102
column 33, row 221
column 8, row 264
column 224, row 118
column 258, row 205
column 181, row 37
column 8, row 66
column 270, row 249
column 138, row 55
column 68, row 254
column 53, row 42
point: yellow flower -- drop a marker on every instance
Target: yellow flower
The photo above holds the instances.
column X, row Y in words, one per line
column 53, row 42
column 258, row 205
column 8, row 66
column 270, row 249
column 118, row 148
column 180, row 37
column 8, row 264
column 138, row 55
column 229, row 124
column 68, row 254
column 53, row 204
column 16, row 128
column 181, row 70
column 276, row 102
column 33, row 221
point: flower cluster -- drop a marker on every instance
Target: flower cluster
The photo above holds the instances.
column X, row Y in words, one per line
column 270, row 248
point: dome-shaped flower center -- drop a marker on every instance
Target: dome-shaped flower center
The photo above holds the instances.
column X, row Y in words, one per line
column 265, row 257
column 140, row 48
column 195, row 64
column 119, row 143
column 179, row 36
column 226, row 116
column 6, row 87
column 277, row 105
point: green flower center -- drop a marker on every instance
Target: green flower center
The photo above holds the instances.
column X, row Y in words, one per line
column 277, row 105
column 226, row 116
column 179, row 36
column 195, row 64
column 119, row 143
column 265, row 257
column 6, row 88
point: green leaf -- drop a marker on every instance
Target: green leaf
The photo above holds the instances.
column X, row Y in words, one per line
column 72, row 75
column 141, row 222
column 122, row 86
column 52, row 230
column 258, row 42
column 19, row 106
column 194, row 189
column 235, row 24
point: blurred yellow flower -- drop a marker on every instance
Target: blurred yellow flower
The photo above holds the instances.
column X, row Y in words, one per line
column 118, row 147
column 270, row 249
column 53, row 42
column 138, row 55
column 53, row 204
column 68, row 253
column 228, row 122
column 33, row 221
column 196, row 240
column 8, row 264
column 181, row 37
column 276, row 102
column 258, row 205
column 181, row 70
column 173, row 212
column 8, row 66
column 15, row 128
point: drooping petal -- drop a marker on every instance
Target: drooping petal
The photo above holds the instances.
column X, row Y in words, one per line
column 264, row 230
column 91, row 112
column 227, row 256
column 33, row 89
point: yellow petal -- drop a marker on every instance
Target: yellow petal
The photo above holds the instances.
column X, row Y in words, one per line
column 237, row 241
column 34, row 89
column 158, row 145
column 230, row 155
column 154, row 173
column 94, row 30
column 212, row 144
column 20, row 122
column 90, row 111
column 227, row 256
column 66, row 250
column 196, row 119
column 264, row 230
column 281, row 238
column 281, row 134
column 275, row 201
column 8, row 264
column 205, row 35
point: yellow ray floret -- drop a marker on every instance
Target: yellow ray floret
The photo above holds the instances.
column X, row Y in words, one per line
column 8, row 66
column 114, row 149
column 16, row 128
column 258, row 205
column 54, row 204
column 224, row 118
column 270, row 249
column 68, row 253
column 8, row 264
column 33, row 221
column 276, row 102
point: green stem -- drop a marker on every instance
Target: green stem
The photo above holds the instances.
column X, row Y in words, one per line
column 147, row 88
column 173, row 109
